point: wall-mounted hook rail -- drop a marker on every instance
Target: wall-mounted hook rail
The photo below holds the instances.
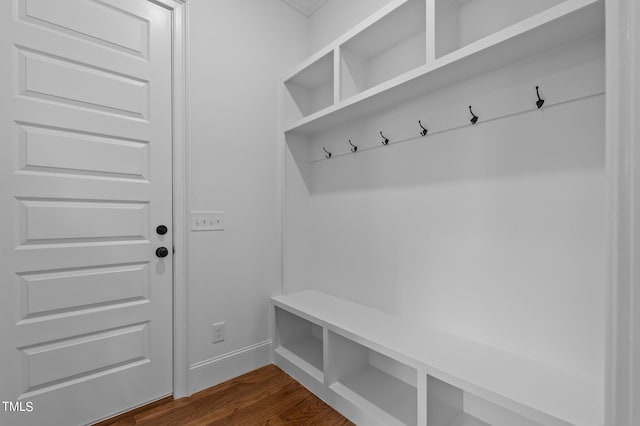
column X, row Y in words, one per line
column 353, row 147
column 385, row 140
column 439, row 131
column 540, row 101
column 474, row 118
column 424, row 131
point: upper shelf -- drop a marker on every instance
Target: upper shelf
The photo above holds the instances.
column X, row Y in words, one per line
column 449, row 59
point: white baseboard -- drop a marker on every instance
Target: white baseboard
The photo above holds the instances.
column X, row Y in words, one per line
column 213, row 371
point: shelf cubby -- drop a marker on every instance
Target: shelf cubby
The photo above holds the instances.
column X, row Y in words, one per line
column 459, row 23
column 300, row 341
column 448, row 405
column 386, row 49
column 383, row 386
column 310, row 89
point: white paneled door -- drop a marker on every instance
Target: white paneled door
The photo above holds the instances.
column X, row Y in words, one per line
column 85, row 168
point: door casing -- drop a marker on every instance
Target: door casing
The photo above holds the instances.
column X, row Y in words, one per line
column 180, row 195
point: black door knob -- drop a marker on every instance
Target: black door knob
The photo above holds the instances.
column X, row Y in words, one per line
column 161, row 229
column 162, row 252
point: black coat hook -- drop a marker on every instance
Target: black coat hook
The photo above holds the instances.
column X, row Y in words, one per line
column 540, row 101
column 353, row 147
column 424, row 131
column 474, row 118
column 386, row 139
column 328, row 154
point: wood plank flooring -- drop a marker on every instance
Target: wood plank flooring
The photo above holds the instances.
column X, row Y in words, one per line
column 267, row 396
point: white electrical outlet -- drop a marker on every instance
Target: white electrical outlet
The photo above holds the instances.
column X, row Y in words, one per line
column 218, row 332
column 207, row 221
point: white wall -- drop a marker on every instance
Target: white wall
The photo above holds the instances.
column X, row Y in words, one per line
column 238, row 52
column 494, row 232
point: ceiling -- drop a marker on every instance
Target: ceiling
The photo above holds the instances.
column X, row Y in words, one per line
column 307, row 7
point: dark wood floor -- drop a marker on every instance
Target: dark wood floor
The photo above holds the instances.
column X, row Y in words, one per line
column 266, row 396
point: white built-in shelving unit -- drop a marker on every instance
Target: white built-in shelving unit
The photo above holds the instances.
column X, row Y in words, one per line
column 380, row 369
column 373, row 367
column 413, row 47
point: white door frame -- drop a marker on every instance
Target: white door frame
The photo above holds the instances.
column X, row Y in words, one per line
column 622, row 373
column 180, row 196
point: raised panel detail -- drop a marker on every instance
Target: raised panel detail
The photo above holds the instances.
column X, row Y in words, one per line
column 66, row 151
column 82, row 357
column 54, row 292
column 67, row 82
column 60, row 221
column 100, row 22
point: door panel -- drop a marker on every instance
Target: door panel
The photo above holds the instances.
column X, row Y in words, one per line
column 97, row 23
column 85, row 121
column 65, row 221
column 64, row 152
column 50, row 78
column 69, row 290
column 79, row 357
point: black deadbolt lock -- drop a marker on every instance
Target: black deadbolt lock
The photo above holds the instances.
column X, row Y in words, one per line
column 161, row 229
column 162, row 252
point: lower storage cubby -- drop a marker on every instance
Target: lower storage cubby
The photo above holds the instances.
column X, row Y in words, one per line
column 344, row 353
column 381, row 386
column 300, row 341
column 445, row 405
column 448, row 405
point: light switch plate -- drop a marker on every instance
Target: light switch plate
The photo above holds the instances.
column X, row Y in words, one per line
column 207, row 221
